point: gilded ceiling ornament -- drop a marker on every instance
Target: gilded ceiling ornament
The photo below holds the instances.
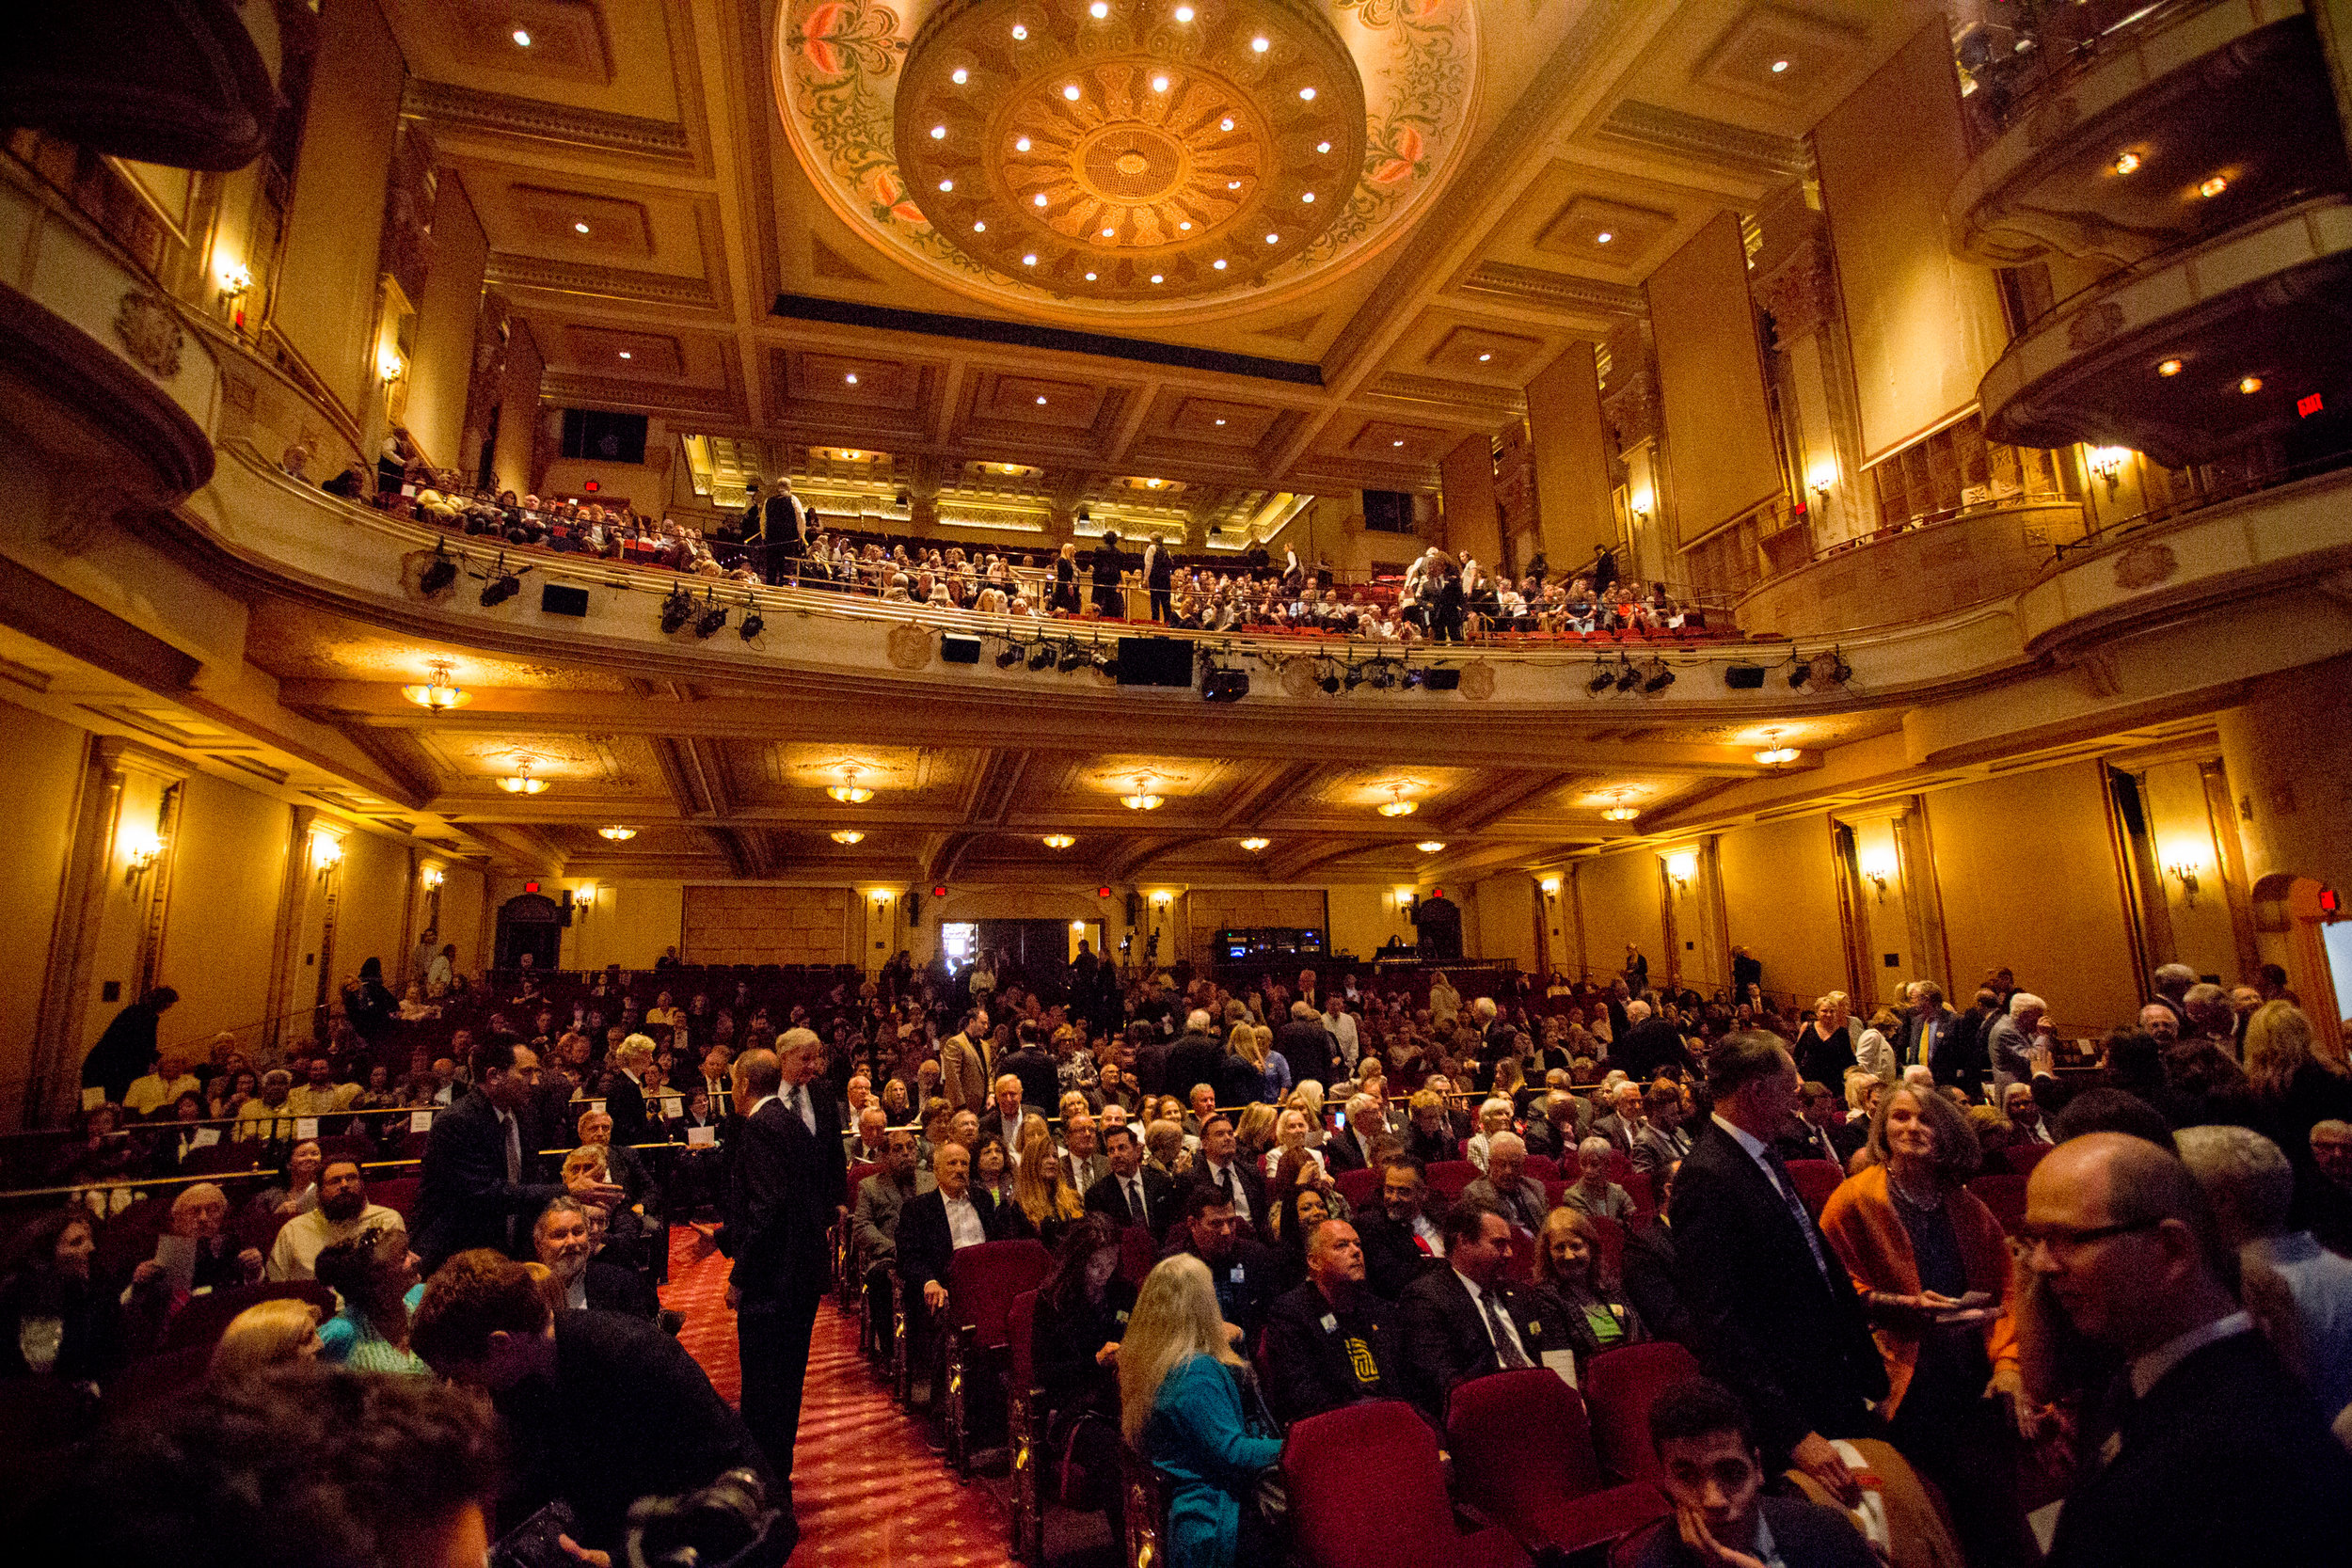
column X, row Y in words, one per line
column 151, row 333
column 2144, row 565
column 909, row 646
column 1299, row 678
column 1478, row 680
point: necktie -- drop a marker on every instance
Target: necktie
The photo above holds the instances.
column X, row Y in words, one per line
column 1506, row 1349
column 800, row 1106
column 1135, row 1202
column 1788, row 1185
column 513, row 1150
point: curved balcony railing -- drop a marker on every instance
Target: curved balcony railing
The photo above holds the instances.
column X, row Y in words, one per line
column 2012, row 58
column 1929, row 567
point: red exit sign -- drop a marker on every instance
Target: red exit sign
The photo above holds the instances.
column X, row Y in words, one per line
column 2306, row 407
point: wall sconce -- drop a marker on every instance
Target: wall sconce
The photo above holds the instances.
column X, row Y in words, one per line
column 2107, row 464
column 433, row 876
column 327, row 852
column 140, row 851
column 1878, row 871
column 1680, row 868
column 1163, row 898
column 882, row 897
column 1640, row 504
column 584, row 899
column 1551, row 886
column 2187, row 876
column 390, row 365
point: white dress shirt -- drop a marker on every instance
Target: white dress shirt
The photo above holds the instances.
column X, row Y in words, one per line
column 1478, row 1300
column 964, row 1227
column 2149, row 1370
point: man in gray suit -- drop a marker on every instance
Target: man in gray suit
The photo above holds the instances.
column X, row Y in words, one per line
column 874, row 1223
column 1506, row 1188
column 1929, row 1024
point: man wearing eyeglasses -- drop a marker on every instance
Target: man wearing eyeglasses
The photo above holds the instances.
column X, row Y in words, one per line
column 2203, row 1449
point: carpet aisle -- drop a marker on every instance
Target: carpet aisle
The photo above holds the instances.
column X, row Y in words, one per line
column 869, row 1494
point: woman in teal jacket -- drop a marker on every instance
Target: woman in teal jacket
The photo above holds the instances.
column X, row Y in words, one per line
column 1181, row 1406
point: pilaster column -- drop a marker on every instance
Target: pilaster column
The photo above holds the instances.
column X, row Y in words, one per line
column 1570, row 440
column 294, row 904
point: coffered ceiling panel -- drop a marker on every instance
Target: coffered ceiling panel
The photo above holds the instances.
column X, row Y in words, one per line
column 798, row 774
column 1569, row 207
column 472, row 760
column 609, row 55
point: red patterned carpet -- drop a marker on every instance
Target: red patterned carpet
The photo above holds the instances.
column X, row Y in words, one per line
column 869, row 1494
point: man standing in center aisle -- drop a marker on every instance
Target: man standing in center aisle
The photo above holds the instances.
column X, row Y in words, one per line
column 785, row 1179
column 1106, row 567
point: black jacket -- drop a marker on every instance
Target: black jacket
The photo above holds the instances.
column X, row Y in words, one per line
column 463, row 1197
column 2225, row 1460
column 926, row 1244
column 1787, row 1337
column 1646, row 1047
column 1446, row 1341
column 1391, row 1261
column 625, row 1103
column 626, row 1415
column 125, row 1051
column 1108, row 1198
column 783, row 1182
column 1248, row 1282
column 1252, row 1185
column 1803, row 1532
column 1104, row 566
column 1316, row 1357
column 1307, row 1046
column 1193, row 1059
column 615, row 1289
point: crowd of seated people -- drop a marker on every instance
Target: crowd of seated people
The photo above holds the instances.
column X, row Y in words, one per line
column 1812, row 1206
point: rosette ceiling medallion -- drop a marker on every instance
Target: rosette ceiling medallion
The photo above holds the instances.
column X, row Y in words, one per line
column 1113, row 156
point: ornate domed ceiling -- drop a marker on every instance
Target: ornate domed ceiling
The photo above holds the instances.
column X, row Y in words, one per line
column 1117, row 157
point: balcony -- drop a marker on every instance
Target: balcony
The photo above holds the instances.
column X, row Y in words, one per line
column 1916, row 573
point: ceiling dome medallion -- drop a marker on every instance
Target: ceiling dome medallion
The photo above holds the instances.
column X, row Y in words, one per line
column 1124, row 158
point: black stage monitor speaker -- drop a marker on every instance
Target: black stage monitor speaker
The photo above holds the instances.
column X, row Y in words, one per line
column 1442, row 680
column 1744, row 677
column 557, row 598
column 1154, row 661
column 957, row 649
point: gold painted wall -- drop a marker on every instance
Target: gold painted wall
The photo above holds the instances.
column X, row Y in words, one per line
column 1925, row 326
column 2053, row 912
column 1571, row 447
column 1506, row 919
column 443, row 362
column 228, row 869
column 1621, row 905
column 373, row 882
column 511, row 466
column 37, row 792
column 2181, row 829
column 767, row 925
column 1473, row 527
column 629, row 925
column 324, row 304
column 1710, row 373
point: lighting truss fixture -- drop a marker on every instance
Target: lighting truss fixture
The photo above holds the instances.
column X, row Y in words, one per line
column 1656, row 678
column 1058, row 841
column 1397, row 805
column 1603, row 678
column 1628, row 677
column 1430, row 845
column 501, row 585
column 617, row 833
column 753, row 622
column 1220, row 684
column 438, row 573
column 676, row 610
column 440, row 694
column 846, row 835
column 1800, row 674
column 1042, row 657
column 520, row 781
column 1254, row 845
column 849, row 791
column 1010, row 657
column 1071, row 657
column 1143, row 798
column 713, row 618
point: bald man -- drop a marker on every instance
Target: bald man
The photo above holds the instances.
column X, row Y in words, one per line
column 2205, row 1451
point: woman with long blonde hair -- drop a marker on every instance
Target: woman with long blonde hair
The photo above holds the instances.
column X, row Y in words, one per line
column 1044, row 1202
column 1273, row 1073
column 2296, row 1083
column 1185, row 1405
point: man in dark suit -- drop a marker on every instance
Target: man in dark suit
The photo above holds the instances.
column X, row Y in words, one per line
column 1401, row 1240
column 1623, row 1127
column 1350, row 1147
column 785, row 526
column 1245, row 1270
column 598, row 1409
column 1966, row 1062
column 1774, row 1313
column 2206, row 1451
column 562, row 1240
column 1330, row 1341
column 1196, row 1057
column 1219, row 1169
column 1463, row 1321
column 1661, row 1143
column 470, row 1191
column 1712, row 1471
column 1104, row 567
column 1158, row 572
column 1005, row 1117
column 1648, row 1044
column 1133, row 1193
column 1929, row 1025
column 1306, row 1044
column 1506, row 1188
column 625, row 1097
column 1821, row 1129
column 932, row 1228
column 785, row 1180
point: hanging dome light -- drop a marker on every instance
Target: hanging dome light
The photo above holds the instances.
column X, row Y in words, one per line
column 521, row 782
column 617, row 833
column 440, row 694
column 1621, row 814
column 1430, row 845
column 1773, row 755
column 1058, row 841
column 1254, row 845
column 849, row 791
column 1398, row 806
column 1143, row 798
column 846, row 835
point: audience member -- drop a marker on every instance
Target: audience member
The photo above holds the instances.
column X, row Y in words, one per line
column 1330, row 1342
column 1083, row 1310
column 343, row 1210
column 1506, row 1188
column 1132, row 1192
column 1246, row 1274
column 1400, row 1241
column 56, row 1314
column 1236, row 1180
column 1593, row 1192
column 1586, row 1311
column 267, row 1334
column 2205, row 1451
column 471, row 1191
column 371, row 1272
column 576, row 1280
column 1465, row 1320
column 1714, row 1475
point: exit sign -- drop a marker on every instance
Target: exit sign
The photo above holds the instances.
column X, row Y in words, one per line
column 2306, row 407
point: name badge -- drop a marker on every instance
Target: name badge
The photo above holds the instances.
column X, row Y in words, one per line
column 1331, row 1323
column 596, row 1106
column 1234, row 1274
column 205, row 1137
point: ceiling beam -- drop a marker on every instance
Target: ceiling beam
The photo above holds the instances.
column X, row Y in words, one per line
column 1507, row 796
column 1271, row 785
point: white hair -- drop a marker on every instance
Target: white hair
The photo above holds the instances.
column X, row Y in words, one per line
column 1593, row 1146
column 1635, row 1011
column 2027, row 1002
column 1918, row 1076
column 1198, row 1021
column 1360, row 1104
column 1484, row 1006
column 1494, row 1102
column 1506, row 1143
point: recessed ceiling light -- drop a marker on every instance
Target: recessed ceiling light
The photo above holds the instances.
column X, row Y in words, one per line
column 1185, row 228
column 1323, row 146
column 1779, row 66
column 979, row 228
column 1098, row 10
column 2251, row 385
column 1090, row 278
column 1019, row 31
column 1030, row 261
column 1483, row 357
column 1041, row 403
column 2212, row 187
column 1058, row 841
column 1218, row 264
column 1254, row 845
column 1259, row 45
column 1155, row 277
column 1220, row 422
column 1233, row 185
column 1021, row 146
column 625, row 354
column 522, row 38
column 1159, row 84
column 617, row 833
column 946, row 184
column 1037, row 199
column 939, row 132
column 846, row 835
column 2168, row 367
column 1307, row 196
column 1396, row 443
column 1430, row 845
column 1110, row 233
column 1225, row 124
column 1070, row 90
column 1184, row 13
column 2126, row 163
column 1274, row 239
column 961, row 76
column 579, row 228
column 1307, row 94
column 850, row 378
